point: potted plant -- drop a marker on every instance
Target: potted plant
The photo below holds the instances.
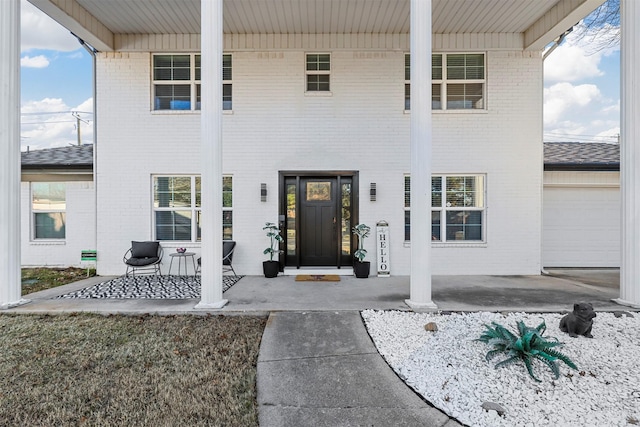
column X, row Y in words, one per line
column 360, row 266
column 271, row 267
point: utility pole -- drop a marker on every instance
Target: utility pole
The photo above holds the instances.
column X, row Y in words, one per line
column 78, row 120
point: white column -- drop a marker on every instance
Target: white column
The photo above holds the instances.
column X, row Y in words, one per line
column 211, row 157
column 10, row 282
column 630, row 153
column 420, row 290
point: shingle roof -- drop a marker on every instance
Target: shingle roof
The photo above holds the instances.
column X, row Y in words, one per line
column 581, row 156
column 73, row 156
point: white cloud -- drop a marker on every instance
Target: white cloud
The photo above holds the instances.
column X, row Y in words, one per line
column 579, row 113
column 609, row 135
column 35, row 24
column 576, row 59
column 39, row 61
column 570, row 63
column 564, row 97
column 50, row 123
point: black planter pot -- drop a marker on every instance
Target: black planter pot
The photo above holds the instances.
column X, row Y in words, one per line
column 361, row 269
column 270, row 268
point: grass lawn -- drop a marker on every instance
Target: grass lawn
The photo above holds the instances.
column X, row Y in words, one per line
column 41, row 278
column 93, row 370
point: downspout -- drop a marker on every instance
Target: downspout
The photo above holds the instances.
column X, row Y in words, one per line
column 92, row 51
column 557, row 42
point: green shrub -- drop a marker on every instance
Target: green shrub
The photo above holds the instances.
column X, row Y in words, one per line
column 527, row 346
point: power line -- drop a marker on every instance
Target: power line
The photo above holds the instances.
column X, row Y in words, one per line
column 55, row 112
column 47, row 122
column 557, row 137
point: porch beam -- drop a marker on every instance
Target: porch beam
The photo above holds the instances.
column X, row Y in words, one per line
column 71, row 15
column 556, row 21
column 630, row 154
column 10, row 283
column 211, row 155
column 421, row 141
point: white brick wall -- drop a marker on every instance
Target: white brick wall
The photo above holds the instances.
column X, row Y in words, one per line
column 80, row 229
column 360, row 127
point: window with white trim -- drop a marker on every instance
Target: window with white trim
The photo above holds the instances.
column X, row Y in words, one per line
column 227, row 208
column 177, row 208
column 318, row 70
column 227, row 83
column 176, row 82
column 48, row 208
column 458, row 81
column 407, row 82
column 457, row 208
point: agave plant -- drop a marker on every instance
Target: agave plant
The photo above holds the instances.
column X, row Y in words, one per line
column 528, row 345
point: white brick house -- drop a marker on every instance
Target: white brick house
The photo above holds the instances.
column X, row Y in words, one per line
column 276, row 130
column 310, row 100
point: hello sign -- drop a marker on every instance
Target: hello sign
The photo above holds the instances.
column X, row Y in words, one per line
column 382, row 248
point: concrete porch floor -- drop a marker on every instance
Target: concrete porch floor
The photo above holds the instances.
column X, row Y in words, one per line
column 557, row 291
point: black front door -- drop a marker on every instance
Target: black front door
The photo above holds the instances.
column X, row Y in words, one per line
column 317, row 213
column 318, row 221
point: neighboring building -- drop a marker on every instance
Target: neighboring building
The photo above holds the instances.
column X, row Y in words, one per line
column 57, row 206
column 317, row 110
column 581, row 205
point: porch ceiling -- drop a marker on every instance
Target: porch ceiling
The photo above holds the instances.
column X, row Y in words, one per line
column 103, row 18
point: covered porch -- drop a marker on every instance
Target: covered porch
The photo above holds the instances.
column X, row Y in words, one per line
column 208, row 25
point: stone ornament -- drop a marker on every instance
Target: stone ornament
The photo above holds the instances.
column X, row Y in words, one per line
column 580, row 321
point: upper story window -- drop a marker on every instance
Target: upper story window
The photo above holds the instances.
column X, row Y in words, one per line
column 48, row 207
column 318, row 70
column 458, row 81
column 457, row 208
column 226, row 82
column 176, row 82
column 407, row 82
column 177, row 208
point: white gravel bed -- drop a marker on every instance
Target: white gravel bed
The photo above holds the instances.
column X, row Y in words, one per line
column 448, row 368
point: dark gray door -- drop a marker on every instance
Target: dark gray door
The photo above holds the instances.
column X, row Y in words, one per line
column 318, row 221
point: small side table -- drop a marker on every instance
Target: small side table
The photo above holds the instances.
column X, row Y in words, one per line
column 183, row 257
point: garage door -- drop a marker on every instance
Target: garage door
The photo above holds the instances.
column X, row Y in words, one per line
column 581, row 227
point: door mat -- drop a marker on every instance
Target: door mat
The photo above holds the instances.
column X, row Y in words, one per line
column 317, row 278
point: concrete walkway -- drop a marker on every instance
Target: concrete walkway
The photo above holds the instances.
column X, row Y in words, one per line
column 321, row 369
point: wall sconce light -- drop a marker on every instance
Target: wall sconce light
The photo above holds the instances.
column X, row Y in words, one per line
column 263, row 192
column 372, row 192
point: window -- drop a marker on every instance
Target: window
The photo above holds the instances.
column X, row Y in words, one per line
column 227, row 205
column 177, row 207
column 407, row 82
column 48, row 205
column 318, row 71
column 457, row 208
column 176, row 82
column 226, row 83
column 458, row 79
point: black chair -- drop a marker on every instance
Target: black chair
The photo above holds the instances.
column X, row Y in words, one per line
column 143, row 256
column 228, row 246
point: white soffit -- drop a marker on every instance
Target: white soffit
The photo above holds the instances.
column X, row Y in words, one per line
column 541, row 18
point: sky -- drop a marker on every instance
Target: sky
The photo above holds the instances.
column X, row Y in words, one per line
column 581, row 88
column 56, row 80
